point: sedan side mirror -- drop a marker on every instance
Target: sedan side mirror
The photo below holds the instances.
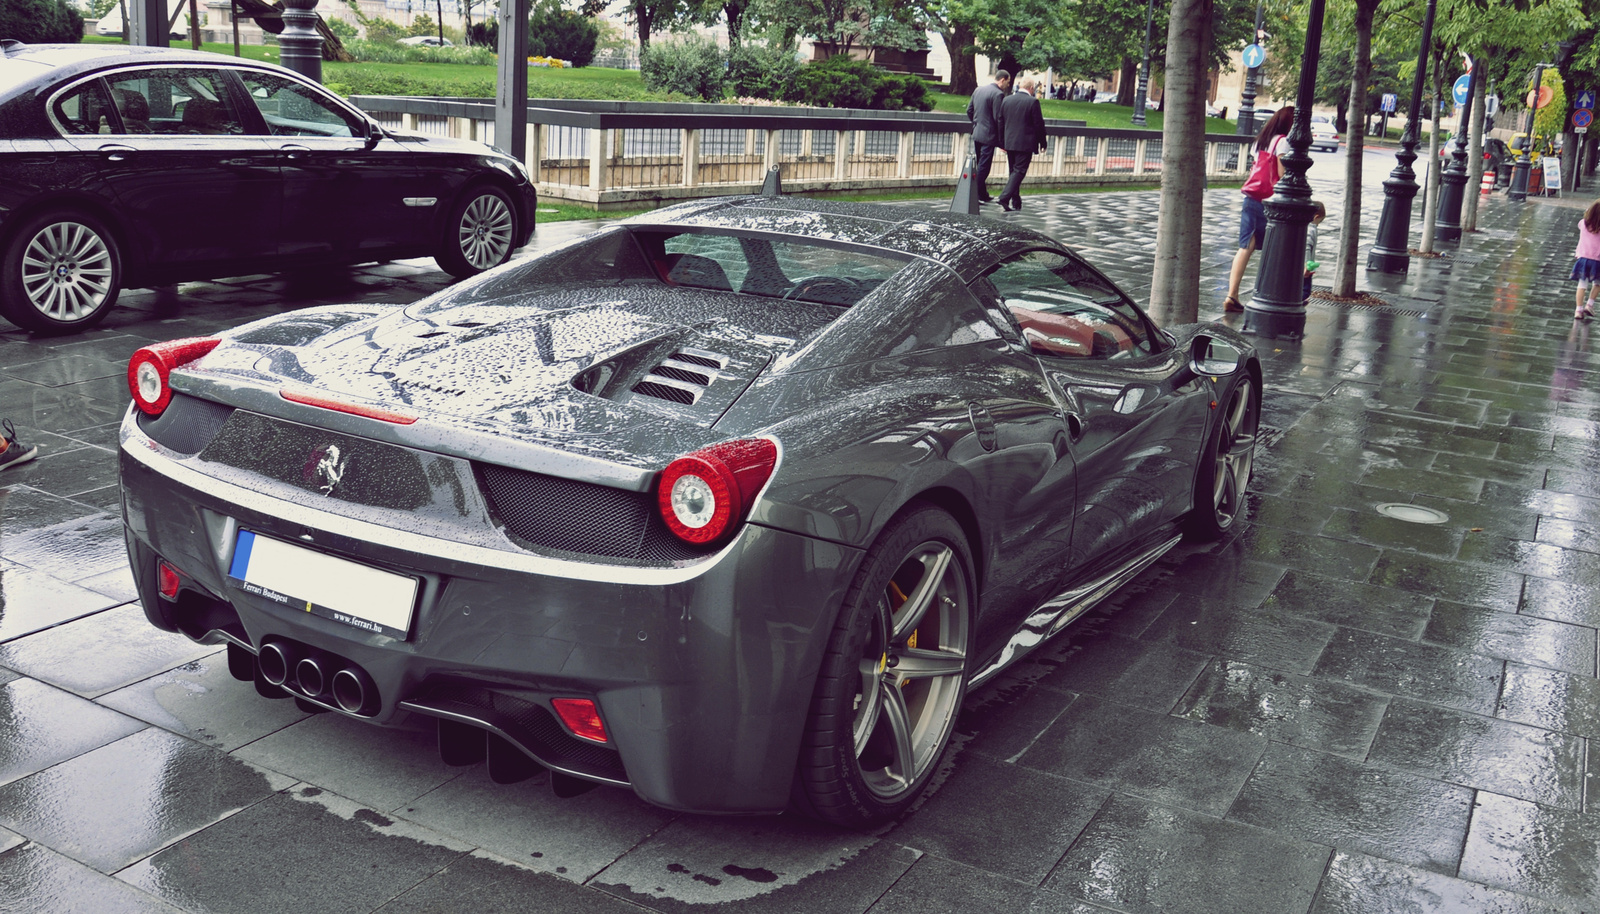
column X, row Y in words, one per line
column 1209, row 357
column 375, row 135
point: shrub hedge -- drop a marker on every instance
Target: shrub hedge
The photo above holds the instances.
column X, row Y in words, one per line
column 40, row 21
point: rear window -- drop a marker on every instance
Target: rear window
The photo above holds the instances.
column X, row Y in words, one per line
column 798, row 269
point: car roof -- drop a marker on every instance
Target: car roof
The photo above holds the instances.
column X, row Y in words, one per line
column 66, row 60
column 966, row 244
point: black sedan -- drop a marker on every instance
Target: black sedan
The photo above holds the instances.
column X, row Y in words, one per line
column 131, row 166
column 729, row 504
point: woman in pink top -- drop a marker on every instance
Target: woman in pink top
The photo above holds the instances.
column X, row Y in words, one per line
column 1587, row 270
column 1257, row 188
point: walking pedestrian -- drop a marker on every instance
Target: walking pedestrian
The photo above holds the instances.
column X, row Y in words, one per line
column 1311, row 248
column 1257, row 188
column 987, row 127
column 12, row 451
column 1024, row 136
column 1587, row 270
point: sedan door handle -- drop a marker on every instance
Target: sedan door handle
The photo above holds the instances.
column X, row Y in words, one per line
column 116, row 152
column 294, row 150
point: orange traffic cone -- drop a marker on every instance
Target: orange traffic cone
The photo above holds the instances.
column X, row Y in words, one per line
column 1487, row 185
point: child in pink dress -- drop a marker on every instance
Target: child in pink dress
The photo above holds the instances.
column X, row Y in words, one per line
column 1587, row 270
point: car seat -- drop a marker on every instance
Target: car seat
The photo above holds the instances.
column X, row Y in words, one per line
column 135, row 110
column 202, row 115
column 695, row 270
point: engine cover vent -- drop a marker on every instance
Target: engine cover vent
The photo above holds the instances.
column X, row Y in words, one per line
column 682, row 377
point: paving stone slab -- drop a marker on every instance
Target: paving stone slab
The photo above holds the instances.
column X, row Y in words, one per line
column 1299, row 711
column 485, row 884
column 38, row 880
column 202, row 701
column 1382, row 610
column 1425, row 672
column 1552, row 700
column 1359, row 884
column 1268, row 637
column 1462, row 582
column 935, row 886
column 1147, row 674
column 1509, row 636
column 35, row 601
column 42, row 726
column 1549, row 853
column 1561, row 601
column 101, row 653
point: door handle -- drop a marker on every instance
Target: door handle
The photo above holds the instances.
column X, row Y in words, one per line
column 294, row 150
column 115, row 152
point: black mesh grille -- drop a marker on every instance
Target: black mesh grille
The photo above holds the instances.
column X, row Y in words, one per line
column 663, row 392
column 681, row 374
column 527, row 723
column 580, row 517
column 696, row 360
column 187, row 425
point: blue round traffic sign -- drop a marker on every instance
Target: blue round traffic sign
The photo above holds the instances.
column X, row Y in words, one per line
column 1253, row 56
column 1582, row 117
column 1459, row 90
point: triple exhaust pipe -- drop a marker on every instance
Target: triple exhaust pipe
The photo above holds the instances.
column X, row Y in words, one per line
column 306, row 672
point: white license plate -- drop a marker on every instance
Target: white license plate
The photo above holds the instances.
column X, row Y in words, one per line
column 324, row 585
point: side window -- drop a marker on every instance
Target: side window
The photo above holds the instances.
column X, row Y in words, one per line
column 177, row 101
column 1062, row 307
column 291, row 109
column 86, row 110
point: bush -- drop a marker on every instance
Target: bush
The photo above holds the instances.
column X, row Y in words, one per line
column 691, row 66
column 756, row 71
column 40, row 22
column 369, row 51
column 484, row 34
column 342, row 30
column 843, row 82
column 561, row 33
column 383, row 31
column 422, row 25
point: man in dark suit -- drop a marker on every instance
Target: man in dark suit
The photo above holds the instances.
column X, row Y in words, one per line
column 1023, row 135
column 987, row 126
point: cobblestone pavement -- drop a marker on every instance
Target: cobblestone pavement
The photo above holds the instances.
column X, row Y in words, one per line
column 1331, row 711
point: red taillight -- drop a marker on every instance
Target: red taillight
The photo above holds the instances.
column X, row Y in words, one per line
column 704, row 495
column 168, row 580
column 581, row 717
column 151, row 366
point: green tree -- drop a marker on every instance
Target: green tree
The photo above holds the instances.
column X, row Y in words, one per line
column 554, row 31
column 41, row 21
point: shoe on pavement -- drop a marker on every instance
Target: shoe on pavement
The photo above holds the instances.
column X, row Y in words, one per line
column 1232, row 306
column 15, row 452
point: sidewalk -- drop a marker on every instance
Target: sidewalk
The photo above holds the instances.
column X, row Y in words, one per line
column 1332, row 711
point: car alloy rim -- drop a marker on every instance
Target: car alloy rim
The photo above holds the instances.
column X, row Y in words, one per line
column 486, row 231
column 66, row 271
column 911, row 671
column 1236, row 449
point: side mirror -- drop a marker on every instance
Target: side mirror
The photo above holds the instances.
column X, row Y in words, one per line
column 375, row 135
column 1208, row 358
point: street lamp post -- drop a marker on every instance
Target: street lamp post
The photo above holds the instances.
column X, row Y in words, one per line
column 1519, row 171
column 1246, row 124
column 1141, row 91
column 1278, row 307
column 299, row 46
column 1392, row 251
column 1453, row 183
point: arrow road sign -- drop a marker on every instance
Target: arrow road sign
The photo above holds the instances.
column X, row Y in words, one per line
column 1459, row 90
column 1585, row 100
column 1253, row 56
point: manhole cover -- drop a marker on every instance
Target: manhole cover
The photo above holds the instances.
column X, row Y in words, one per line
column 1412, row 514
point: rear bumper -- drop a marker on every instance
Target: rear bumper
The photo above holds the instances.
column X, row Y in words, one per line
column 703, row 673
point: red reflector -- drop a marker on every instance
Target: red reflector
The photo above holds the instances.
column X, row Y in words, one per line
column 167, row 580
column 151, row 366
column 581, row 717
column 340, row 406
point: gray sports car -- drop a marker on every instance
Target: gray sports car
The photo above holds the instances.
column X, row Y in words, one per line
column 729, row 504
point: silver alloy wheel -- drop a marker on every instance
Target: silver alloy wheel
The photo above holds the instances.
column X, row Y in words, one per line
column 911, row 671
column 67, row 271
column 485, row 231
column 1236, row 450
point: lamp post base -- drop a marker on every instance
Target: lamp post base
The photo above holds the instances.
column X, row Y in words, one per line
column 1273, row 323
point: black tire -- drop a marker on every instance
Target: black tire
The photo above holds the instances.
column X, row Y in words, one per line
column 893, row 678
column 480, row 234
column 1226, row 462
column 61, row 272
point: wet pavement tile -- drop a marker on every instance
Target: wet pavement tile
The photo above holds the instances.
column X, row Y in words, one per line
column 1526, row 472
column 24, row 508
column 1311, row 713
column 327, row 853
column 1482, row 752
column 38, row 880
column 1533, row 849
column 1008, row 820
column 1476, row 520
column 1462, row 582
column 1383, row 610
column 59, row 368
column 100, row 653
column 1330, row 800
column 1359, row 884
column 117, row 584
column 1222, row 573
column 1288, row 513
column 63, row 409
column 573, row 837
column 935, row 886
column 1316, row 554
column 1552, row 700
column 1266, row 636
column 1370, row 527
column 67, row 473
column 42, row 726
column 32, row 601
column 1536, row 559
column 383, row 767
column 485, row 884
column 1423, row 482
column 764, row 864
column 1422, row 671
column 1583, row 536
column 1532, row 500
column 1141, row 857
column 72, row 550
column 1163, row 758
column 179, row 785
column 1578, row 604
column 1146, row 674
column 202, row 701
column 1511, row 636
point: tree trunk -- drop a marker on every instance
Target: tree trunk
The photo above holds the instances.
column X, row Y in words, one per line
column 963, row 65
column 735, row 15
column 1175, row 287
column 1345, row 262
column 1341, row 116
column 1126, row 81
column 1430, row 197
column 1469, row 202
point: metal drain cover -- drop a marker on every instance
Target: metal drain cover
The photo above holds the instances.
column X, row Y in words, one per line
column 1412, row 514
